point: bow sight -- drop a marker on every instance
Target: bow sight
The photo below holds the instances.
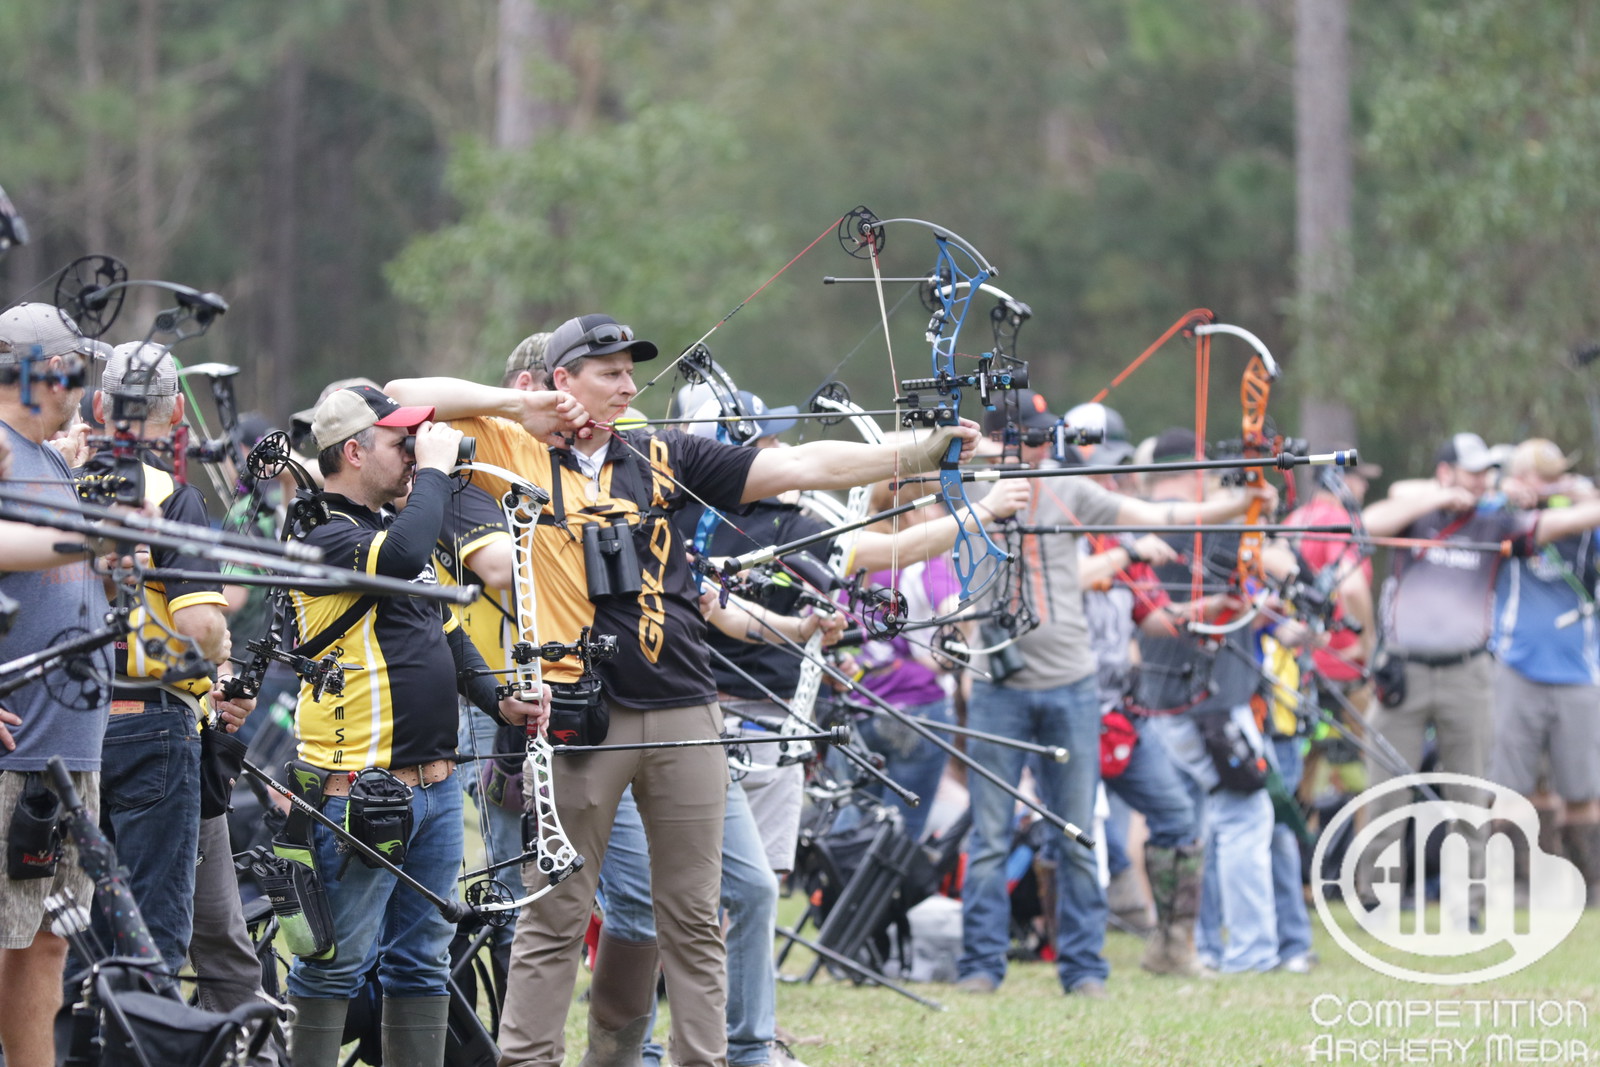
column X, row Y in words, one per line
column 987, row 380
column 590, row 648
column 73, row 375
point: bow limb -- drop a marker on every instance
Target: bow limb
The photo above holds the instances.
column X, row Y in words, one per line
column 1256, row 442
column 959, row 269
column 553, row 852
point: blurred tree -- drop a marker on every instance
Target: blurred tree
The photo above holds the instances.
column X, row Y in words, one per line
column 1475, row 273
column 1324, row 202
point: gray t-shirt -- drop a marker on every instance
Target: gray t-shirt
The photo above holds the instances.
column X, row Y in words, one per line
column 64, row 712
column 1057, row 652
column 1438, row 601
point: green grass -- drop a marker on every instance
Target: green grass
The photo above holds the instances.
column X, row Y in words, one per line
column 1234, row 1020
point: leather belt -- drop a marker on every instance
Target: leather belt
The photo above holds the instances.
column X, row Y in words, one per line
column 1455, row 659
column 337, row 784
column 132, row 701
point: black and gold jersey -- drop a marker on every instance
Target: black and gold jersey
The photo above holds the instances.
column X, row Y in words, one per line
column 139, row 656
column 400, row 709
column 661, row 661
column 474, row 520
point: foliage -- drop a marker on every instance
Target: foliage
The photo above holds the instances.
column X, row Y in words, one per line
column 614, row 219
column 1120, row 162
column 1476, row 273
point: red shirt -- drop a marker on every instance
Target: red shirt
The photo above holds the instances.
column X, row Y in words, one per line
column 1337, row 662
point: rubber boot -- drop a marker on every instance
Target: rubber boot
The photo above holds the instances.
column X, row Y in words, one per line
column 622, row 1001
column 1126, row 903
column 317, row 1033
column 1174, row 875
column 413, row 1031
column 1582, row 841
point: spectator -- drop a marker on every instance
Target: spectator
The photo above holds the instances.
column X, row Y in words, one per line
column 1547, row 673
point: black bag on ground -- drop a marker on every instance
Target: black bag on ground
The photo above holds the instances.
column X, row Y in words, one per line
column 145, row 1029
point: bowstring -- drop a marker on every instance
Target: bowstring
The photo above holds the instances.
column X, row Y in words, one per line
column 664, row 371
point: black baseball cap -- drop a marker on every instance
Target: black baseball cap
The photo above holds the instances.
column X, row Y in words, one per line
column 593, row 335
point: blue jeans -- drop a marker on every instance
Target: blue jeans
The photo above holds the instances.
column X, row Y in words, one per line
column 376, row 918
column 911, row 760
column 475, row 735
column 501, row 827
column 1294, row 923
column 1152, row 786
column 1115, row 832
column 150, row 807
column 1236, row 894
column 750, row 897
column 1068, row 716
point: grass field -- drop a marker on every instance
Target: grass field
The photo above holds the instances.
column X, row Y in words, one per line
column 1236, row 1020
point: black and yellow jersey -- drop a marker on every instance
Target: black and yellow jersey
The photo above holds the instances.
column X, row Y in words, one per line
column 474, row 520
column 138, row 668
column 400, row 710
column 661, row 661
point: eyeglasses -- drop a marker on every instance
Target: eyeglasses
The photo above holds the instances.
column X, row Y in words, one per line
column 607, row 333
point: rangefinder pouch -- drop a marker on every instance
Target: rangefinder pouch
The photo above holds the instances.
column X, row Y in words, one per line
column 379, row 815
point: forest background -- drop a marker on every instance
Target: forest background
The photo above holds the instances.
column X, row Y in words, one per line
column 1400, row 199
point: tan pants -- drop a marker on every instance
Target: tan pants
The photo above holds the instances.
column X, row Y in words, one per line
column 1457, row 701
column 681, row 795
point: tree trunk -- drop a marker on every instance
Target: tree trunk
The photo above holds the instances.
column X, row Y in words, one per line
column 1323, row 182
column 148, row 248
column 528, row 35
column 96, row 168
column 277, row 375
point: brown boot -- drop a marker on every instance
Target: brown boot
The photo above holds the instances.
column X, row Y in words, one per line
column 1174, row 875
column 1582, row 842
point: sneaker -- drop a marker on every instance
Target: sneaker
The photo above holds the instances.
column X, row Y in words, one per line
column 977, row 983
column 1300, row 963
column 1090, row 988
column 782, row 1057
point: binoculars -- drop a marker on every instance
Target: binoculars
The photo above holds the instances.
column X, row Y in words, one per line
column 466, row 451
column 610, row 562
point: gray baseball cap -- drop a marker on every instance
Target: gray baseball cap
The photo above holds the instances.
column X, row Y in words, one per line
column 39, row 330
column 1467, row 451
column 152, row 362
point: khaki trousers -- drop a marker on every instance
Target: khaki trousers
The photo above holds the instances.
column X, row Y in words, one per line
column 681, row 795
column 1457, row 700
